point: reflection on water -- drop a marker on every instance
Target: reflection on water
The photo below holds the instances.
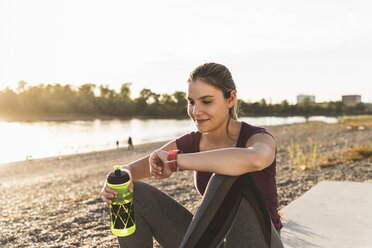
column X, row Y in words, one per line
column 43, row 139
column 20, row 140
column 273, row 121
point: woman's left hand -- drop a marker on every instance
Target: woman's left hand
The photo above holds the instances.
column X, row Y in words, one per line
column 159, row 167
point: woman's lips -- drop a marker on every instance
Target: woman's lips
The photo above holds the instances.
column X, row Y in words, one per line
column 200, row 121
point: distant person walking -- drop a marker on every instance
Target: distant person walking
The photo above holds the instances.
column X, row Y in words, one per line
column 117, row 144
column 130, row 144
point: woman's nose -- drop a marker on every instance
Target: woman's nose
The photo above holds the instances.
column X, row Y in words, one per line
column 197, row 109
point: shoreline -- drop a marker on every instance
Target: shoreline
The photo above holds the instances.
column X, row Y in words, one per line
column 78, row 117
column 29, row 153
column 66, row 156
column 82, row 117
column 269, row 127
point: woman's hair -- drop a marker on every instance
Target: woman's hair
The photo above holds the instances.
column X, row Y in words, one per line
column 218, row 76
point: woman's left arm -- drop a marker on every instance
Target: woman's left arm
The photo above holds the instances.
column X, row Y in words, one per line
column 259, row 153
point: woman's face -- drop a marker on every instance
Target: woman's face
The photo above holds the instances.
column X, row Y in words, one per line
column 207, row 107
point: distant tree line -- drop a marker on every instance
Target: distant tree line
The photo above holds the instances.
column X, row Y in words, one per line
column 304, row 108
column 57, row 99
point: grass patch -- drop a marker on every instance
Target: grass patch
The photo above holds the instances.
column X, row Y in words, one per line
column 307, row 159
column 358, row 153
column 326, row 161
column 357, row 123
column 302, row 160
column 348, row 156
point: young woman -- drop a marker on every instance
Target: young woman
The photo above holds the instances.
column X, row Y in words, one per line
column 222, row 145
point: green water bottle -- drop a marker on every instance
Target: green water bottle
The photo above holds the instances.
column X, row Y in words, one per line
column 121, row 208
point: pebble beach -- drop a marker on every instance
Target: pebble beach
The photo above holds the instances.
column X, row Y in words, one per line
column 55, row 202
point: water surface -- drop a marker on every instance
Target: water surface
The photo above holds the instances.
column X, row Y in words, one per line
column 22, row 140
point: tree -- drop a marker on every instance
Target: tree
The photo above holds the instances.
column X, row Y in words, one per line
column 87, row 90
column 181, row 103
column 142, row 101
column 125, row 92
column 305, row 107
column 86, row 99
column 9, row 102
column 263, row 107
column 106, row 92
column 242, row 107
column 21, row 86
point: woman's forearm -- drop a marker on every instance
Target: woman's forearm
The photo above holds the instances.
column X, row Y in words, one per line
column 139, row 169
column 227, row 161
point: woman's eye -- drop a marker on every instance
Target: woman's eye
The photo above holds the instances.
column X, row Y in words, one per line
column 206, row 102
column 191, row 103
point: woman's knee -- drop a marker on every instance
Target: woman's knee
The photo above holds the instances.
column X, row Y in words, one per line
column 144, row 193
column 138, row 186
column 139, row 190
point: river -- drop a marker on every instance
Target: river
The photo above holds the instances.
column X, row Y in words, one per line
column 38, row 139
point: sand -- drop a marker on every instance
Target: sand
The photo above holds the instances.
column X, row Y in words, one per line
column 55, row 202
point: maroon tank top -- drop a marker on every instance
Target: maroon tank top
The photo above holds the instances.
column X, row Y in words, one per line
column 264, row 179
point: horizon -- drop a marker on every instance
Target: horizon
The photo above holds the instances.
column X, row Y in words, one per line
column 268, row 101
column 275, row 51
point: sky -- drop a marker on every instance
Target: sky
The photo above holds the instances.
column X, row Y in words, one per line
column 274, row 49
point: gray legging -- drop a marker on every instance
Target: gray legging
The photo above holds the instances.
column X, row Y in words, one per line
column 160, row 216
column 156, row 214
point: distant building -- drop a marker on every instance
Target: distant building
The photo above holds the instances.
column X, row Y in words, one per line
column 351, row 99
column 300, row 98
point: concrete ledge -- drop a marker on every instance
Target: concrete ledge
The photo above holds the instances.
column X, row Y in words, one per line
column 330, row 215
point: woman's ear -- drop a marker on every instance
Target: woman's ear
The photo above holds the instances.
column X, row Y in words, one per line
column 232, row 99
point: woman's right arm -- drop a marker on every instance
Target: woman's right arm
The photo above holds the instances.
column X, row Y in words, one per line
column 141, row 169
column 137, row 170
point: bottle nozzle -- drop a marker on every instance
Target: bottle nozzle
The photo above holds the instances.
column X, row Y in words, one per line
column 117, row 170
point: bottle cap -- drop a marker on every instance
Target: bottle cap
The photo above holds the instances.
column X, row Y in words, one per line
column 118, row 176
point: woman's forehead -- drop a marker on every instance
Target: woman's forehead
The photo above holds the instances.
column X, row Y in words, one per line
column 197, row 89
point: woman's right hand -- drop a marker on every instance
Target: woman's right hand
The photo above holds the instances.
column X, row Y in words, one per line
column 108, row 193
